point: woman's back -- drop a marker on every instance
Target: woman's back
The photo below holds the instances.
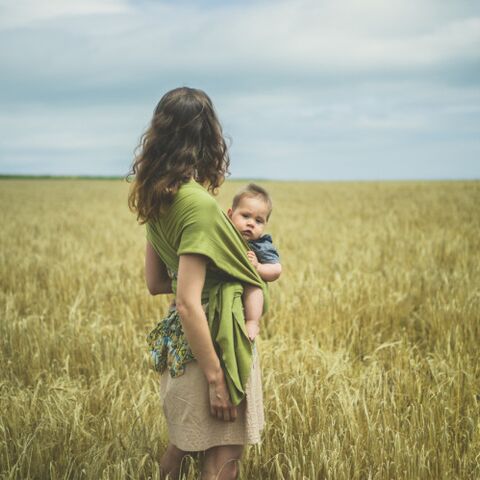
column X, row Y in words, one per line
column 194, row 223
column 183, row 228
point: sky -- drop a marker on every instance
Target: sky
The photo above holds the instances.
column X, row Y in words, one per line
column 304, row 89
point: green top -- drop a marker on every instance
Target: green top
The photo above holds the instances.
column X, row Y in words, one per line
column 194, row 223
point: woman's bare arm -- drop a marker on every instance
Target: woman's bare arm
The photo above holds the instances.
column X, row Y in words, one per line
column 191, row 278
column 156, row 275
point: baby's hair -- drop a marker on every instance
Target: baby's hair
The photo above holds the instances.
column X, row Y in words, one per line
column 256, row 191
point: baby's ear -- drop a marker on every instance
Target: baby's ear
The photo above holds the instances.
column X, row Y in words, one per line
column 229, row 213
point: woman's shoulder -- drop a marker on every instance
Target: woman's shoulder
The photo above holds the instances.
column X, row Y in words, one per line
column 190, row 201
column 195, row 197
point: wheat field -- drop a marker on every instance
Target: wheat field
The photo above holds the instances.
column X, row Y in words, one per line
column 369, row 352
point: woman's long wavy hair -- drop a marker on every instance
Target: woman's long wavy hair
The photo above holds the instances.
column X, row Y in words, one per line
column 183, row 141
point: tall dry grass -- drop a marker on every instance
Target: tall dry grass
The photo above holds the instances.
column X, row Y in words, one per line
column 369, row 352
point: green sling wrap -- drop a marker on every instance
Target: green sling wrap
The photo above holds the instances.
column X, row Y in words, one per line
column 194, row 223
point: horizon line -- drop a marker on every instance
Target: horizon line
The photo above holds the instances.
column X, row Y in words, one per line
column 14, row 176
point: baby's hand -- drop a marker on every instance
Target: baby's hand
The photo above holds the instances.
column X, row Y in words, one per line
column 253, row 329
column 253, row 258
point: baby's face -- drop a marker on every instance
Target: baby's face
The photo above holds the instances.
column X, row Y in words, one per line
column 250, row 217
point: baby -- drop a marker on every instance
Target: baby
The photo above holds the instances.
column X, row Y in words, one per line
column 251, row 209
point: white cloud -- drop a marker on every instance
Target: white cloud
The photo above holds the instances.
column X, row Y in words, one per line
column 111, row 42
column 24, row 13
column 308, row 35
column 289, row 78
column 50, row 128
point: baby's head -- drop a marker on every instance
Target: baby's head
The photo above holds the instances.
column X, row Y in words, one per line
column 251, row 209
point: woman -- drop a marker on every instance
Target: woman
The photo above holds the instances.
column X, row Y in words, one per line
column 210, row 382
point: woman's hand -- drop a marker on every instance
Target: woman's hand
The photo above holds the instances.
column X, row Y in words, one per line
column 220, row 405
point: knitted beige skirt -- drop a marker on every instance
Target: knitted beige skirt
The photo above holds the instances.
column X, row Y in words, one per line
column 186, row 406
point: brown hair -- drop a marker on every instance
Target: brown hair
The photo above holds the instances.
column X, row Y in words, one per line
column 253, row 190
column 184, row 141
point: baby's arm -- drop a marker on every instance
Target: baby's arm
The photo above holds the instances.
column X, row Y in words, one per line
column 269, row 272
